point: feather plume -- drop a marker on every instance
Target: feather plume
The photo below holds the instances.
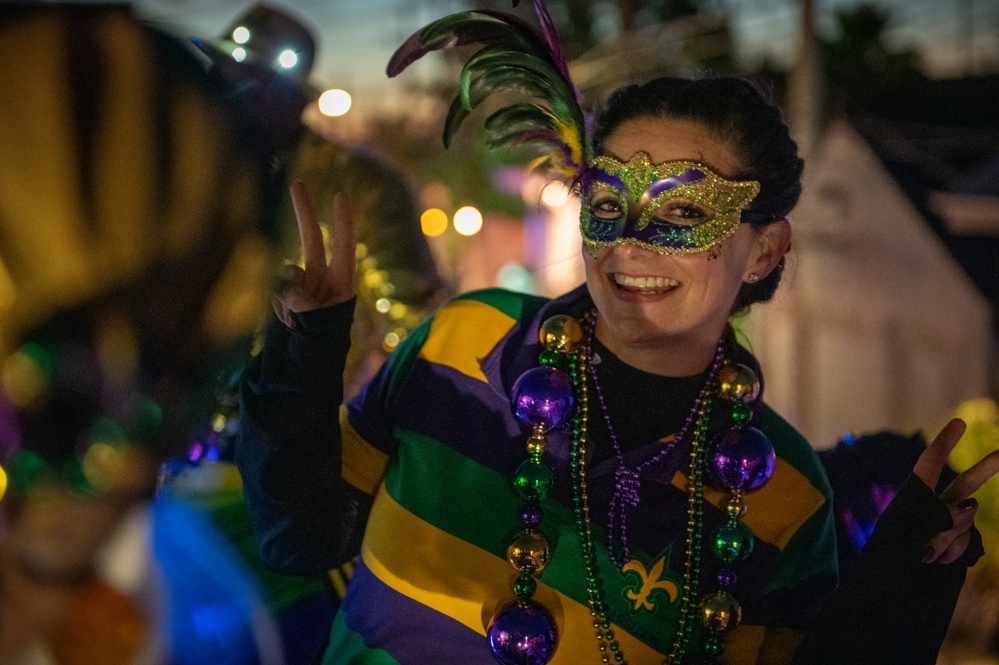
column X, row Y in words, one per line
column 514, row 57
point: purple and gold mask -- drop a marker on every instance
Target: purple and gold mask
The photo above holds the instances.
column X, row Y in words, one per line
column 671, row 208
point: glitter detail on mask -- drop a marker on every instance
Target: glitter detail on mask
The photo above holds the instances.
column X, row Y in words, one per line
column 650, row 188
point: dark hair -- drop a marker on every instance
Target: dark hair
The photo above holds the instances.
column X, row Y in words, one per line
column 741, row 112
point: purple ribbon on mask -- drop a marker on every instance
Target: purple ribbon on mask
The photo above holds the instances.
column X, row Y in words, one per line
column 660, row 186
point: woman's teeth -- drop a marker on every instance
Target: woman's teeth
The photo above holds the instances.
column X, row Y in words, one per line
column 657, row 283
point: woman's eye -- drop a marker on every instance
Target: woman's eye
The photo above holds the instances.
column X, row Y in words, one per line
column 687, row 214
column 607, row 208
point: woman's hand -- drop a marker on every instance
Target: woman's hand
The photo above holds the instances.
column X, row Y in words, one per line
column 319, row 284
column 948, row 546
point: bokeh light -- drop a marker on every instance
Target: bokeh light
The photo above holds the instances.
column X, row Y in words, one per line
column 288, row 58
column 433, row 221
column 467, row 220
column 334, row 103
column 515, row 277
column 555, row 194
column 241, row 35
column 239, row 54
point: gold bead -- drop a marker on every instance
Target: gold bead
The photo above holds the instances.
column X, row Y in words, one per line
column 738, row 382
column 561, row 333
column 537, row 444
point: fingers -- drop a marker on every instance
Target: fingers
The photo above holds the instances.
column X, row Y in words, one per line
column 955, row 549
column 933, row 460
column 308, row 227
column 968, row 482
column 948, row 546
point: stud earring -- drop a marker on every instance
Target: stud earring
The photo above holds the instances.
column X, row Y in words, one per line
column 753, row 278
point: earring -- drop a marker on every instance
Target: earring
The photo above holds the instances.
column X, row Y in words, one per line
column 753, row 278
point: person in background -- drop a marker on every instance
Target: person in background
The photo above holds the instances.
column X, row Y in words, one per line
column 395, row 267
column 137, row 242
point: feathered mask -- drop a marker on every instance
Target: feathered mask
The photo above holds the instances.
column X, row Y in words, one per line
column 515, row 56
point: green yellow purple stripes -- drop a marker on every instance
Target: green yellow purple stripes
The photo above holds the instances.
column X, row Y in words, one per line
column 463, row 332
column 362, row 465
column 471, row 593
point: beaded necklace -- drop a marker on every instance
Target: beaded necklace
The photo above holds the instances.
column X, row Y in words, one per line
column 557, row 392
column 627, row 480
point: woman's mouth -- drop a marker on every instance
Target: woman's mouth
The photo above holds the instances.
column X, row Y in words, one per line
column 645, row 284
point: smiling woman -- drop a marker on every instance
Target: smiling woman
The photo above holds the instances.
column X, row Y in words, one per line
column 594, row 478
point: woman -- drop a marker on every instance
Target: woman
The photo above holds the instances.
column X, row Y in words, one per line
column 610, row 427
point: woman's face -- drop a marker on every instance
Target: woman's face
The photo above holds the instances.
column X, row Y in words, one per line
column 650, row 302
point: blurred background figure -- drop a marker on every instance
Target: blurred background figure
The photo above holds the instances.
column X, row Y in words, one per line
column 136, row 240
column 266, row 54
column 264, row 59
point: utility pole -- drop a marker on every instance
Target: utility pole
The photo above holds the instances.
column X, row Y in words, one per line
column 804, row 93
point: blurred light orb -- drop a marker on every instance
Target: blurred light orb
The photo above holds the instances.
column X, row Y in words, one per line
column 288, row 58
column 514, row 277
column 467, row 220
column 555, row 194
column 3, row 482
column 383, row 305
column 239, row 54
column 433, row 222
column 241, row 35
column 334, row 103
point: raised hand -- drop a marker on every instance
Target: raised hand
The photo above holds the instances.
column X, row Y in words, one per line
column 319, row 284
column 948, row 546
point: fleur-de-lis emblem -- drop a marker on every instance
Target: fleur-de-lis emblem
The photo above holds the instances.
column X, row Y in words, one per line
column 648, row 582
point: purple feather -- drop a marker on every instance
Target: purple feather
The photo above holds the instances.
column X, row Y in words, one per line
column 551, row 38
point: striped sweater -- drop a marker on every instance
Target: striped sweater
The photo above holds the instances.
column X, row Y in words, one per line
column 425, row 455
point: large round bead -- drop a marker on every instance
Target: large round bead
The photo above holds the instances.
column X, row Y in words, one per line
column 738, row 382
column 720, row 611
column 533, row 480
column 732, row 541
column 542, row 396
column 528, row 551
column 523, row 633
column 560, row 333
column 743, row 459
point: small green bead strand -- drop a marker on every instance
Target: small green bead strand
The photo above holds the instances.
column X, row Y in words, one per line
column 610, row 649
column 695, row 518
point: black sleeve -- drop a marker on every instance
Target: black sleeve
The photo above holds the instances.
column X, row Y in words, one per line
column 288, row 449
column 893, row 608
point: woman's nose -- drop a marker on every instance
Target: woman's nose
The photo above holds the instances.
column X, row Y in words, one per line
column 632, row 251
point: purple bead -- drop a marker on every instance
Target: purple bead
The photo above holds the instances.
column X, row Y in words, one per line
column 523, row 633
column 531, row 515
column 726, row 577
column 742, row 460
column 542, row 396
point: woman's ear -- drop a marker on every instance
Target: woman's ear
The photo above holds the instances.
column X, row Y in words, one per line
column 773, row 242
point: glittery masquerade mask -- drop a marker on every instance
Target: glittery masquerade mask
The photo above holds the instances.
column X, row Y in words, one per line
column 671, row 208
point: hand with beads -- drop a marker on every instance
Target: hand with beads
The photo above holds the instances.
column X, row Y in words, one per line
column 320, row 283
column 948, row 546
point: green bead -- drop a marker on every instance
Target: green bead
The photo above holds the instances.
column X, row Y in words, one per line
column 713, row 645
column 550, row 358
column 732, row 541
column 525, row 586
column 741, row 414
column 534, row 480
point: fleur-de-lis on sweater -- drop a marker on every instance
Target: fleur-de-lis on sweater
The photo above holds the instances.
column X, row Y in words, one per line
column 641, row 593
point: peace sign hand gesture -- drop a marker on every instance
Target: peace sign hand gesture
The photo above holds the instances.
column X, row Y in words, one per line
column 948, row 546
column 319, row 284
